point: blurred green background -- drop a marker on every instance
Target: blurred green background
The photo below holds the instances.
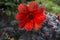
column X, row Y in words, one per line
column 52, row 6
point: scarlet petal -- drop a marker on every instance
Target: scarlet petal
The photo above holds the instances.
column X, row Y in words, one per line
column 29, row 26
column 40, row 18
column 37, row 27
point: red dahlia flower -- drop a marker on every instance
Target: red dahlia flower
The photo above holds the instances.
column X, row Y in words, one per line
column 30, row 17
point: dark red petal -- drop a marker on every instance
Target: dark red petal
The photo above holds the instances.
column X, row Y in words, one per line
column 39, row 11
column 26, row 19
column 22, row 8
column 20, row 16
column 32, row 6
column 23, row 22
column 29, row 26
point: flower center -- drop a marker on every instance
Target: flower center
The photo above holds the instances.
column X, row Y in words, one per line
column 31, row 16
